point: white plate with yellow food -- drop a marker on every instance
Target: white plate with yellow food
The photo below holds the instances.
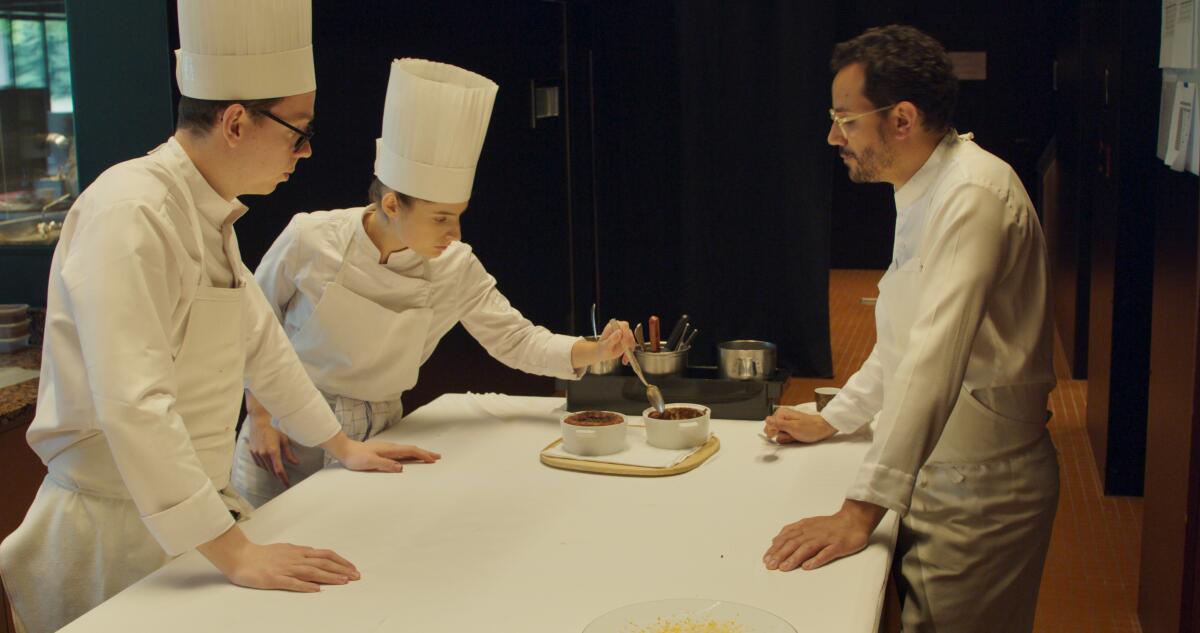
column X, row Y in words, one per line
column 689, row 615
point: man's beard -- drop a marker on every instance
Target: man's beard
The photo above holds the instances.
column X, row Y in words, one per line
column 870, row 162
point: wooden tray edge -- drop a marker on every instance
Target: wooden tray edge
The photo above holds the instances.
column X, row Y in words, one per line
column 706, row 451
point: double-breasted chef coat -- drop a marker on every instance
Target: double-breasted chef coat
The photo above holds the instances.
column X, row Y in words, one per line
column 363, row 329
column 153, row 327
column 958, row 384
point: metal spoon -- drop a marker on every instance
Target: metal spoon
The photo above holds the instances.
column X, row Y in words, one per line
column 768, row 439
column 595, row 332
column 682, row 337
column 637, row 336
column 652, row 393
column 688, row 341
column 774, row 454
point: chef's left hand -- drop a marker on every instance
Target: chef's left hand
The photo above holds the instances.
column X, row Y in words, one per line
column 813, row 542
column 382, row 456
column 614, row 340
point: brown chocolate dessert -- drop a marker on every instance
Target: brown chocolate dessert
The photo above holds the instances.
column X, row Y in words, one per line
column 594, row 418
column 677, row 413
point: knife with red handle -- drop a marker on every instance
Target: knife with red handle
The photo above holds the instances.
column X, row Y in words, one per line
column 655, row 334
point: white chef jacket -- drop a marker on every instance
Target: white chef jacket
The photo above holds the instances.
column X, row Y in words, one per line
column 121, row 282
column 982, row 319
column 309, row 252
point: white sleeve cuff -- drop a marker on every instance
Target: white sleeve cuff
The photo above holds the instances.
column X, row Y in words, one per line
column 558, row 359
column 195, row 521
column 842, row 416
column 883, row 486
column 312, row 423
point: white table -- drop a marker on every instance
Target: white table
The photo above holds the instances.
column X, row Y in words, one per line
column 491, row 540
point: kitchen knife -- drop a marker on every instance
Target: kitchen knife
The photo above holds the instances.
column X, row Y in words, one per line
column 677, row 332
column 655, row 336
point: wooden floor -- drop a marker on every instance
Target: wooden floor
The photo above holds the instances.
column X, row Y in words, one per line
column 1090, row 581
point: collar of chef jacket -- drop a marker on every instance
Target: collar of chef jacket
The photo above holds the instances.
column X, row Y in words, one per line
column 912, row 200
column 928, row 174
column 405, row 262
column 209, row 204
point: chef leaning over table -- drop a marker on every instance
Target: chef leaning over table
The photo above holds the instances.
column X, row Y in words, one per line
column 366, row 293
column 152, row 325
column 959, row 377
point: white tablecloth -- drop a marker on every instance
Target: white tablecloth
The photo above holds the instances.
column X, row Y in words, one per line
column 491, row 540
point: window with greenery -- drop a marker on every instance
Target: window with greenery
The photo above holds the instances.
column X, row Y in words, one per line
column 59, row 66
column 29, row 53
column 34, row 54
column 38, row 175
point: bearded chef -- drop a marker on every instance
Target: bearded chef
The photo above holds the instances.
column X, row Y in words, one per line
column 959, row 377
column 153, row 328
column 366, row 293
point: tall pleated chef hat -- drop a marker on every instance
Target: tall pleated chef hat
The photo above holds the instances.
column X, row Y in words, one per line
column 434, row 119
column 245, row 49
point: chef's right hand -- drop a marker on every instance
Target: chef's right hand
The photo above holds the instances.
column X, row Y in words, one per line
column 270, row 446
column 788, row 425
column 276, row 566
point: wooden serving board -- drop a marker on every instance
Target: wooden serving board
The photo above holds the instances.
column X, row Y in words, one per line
column 709, row 449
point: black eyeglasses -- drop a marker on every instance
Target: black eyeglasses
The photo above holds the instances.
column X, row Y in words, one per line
column 305, row 135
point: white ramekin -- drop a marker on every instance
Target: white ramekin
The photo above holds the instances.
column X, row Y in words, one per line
column 593, row 440
column 677, row 434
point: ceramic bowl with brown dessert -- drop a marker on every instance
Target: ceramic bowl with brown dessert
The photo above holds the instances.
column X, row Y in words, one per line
column 682, row 425
column 592, row 433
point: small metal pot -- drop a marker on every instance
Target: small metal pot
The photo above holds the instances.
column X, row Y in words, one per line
column 663, row 363
column 604, row 367
column 747, row 360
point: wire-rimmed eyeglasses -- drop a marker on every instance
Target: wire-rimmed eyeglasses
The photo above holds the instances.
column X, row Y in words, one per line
column 842, row 120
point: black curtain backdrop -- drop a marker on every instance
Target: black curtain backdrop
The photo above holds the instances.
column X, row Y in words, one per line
column 713, row 176
column 688, row 173
column 518, row 220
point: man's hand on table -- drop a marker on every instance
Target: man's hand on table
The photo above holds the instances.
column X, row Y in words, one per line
column 811, row 543
column 788, row 425
column 270, row 446
column 381, row 456
column 276, row 566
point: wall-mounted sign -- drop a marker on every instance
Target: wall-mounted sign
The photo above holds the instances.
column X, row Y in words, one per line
column 969, row 65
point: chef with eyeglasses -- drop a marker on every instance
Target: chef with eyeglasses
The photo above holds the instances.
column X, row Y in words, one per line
column 153, row 329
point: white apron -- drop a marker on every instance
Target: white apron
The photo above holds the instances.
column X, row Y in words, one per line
column 352, row 346
column 971, row 549
column 363, row 357
column 83, row 540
